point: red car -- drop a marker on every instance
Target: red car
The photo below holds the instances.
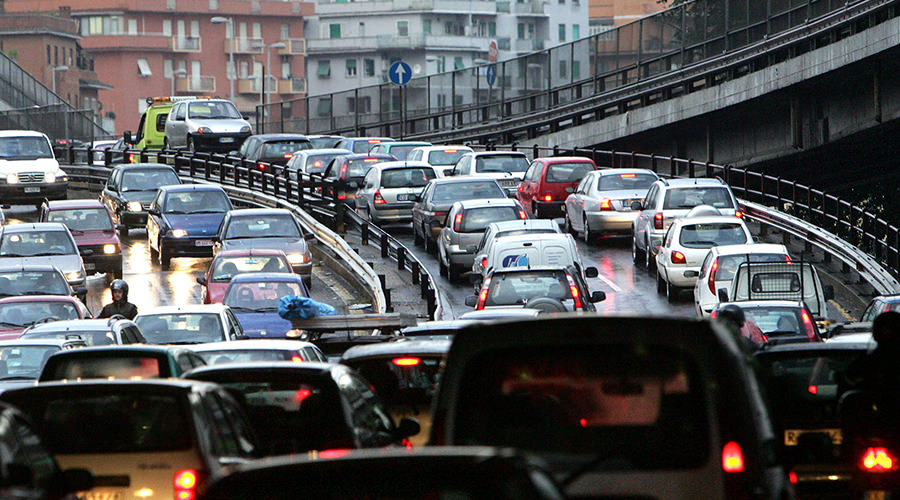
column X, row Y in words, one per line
column 228, row 263
column 18, row 313
column 95, row 234
column 548, row 183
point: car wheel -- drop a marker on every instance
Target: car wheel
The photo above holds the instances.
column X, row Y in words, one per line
column 443, row 268
column 430, row 245
column 165, row 143
column 165, row 259
column 453, row 273
column 417, row 240
column 123, row 232
column 672, row 292
column 568, row 226
column 660, row 283
column 588, row 234
column 190, row 145
column 636, row 255
column 649, row 261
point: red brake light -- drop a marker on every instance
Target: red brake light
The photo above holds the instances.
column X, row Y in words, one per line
column 658, row 220
column 792, row 477
column 713, row 314
column 606, row 204
column 63, row 142
column 185, row 482
column 343, row 170
column 787, row 258
column 711, row 282
column 261, row 165
column 342, row 196
column 131, row 158
column 627, row 176
column 877, row 459
column 378, row 199
column 678, row 258
column 522, row 214
column 548, row 197
column 334, row 453
column 302, row 394
column 406, row 361
column 808, row 325
column 317, row 163
column 813, row 389
column 296, row 359
column 573, row 290
column 482, row 295
column 483, row 262
column 288, row 156
column 739, row 214
column 370, row 160
column 457, row 222
column 732, row 457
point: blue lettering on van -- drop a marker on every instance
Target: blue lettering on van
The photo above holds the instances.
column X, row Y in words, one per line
column 515, row 260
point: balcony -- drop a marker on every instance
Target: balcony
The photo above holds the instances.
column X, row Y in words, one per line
column 528, row 45
column 292, row 86
column 341, row 45
column 244, row 45
column 415, row 41
column 156, row 42
column 186, row 44
column 250, row 85
column 294, row 47
column 530, row 8
column 195, row 83
column 458, row 42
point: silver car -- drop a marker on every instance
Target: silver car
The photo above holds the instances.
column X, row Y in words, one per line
column 312, row 161
column 601, row 204
column 42, row 243
column 389, row 190
column 466, row 223
column 205, row 125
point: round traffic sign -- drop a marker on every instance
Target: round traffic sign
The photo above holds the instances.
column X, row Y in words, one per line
column 492, row 51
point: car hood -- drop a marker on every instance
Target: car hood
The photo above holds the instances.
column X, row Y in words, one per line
column 216, row 291
column 263, row 324
column 196, row 224
column 65, row 263
column 287, row 245
column 145, row 197
column 220, row 126
column 83, row 238
column 38, row 165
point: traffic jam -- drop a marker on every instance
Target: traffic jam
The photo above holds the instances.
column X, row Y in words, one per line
column 532, row 393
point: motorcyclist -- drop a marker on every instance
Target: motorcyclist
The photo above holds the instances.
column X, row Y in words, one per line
column 120, row 304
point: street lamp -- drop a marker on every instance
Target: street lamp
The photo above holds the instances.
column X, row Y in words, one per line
column 177, row 72
column 53, row 75
column 230, row 22
column 263, row 98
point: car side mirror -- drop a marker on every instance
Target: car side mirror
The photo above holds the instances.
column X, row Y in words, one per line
column 87, row 252
column 828, row 290
column 471, row 301
column 77, row 480
column 472, row 248
column 153, row 211
column 126, row 137
column 242, row 337
column 201, row 280
column 598, row 296
column 309, row 236
column 591, row 272
column 246, row 117
column 120, row 227
column 691, row 274
column 570, row 190
column 723, row 295
column 81, row 293
column 407, row 427
column 451, row 173
column 636, row 205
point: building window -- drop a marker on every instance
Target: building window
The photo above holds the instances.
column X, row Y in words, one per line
column 213, row 4
column 71, row 61
column 492, row 28
column 562, row 32
column 365, row 105
column 402, row 28
column 441, row 64
column 132, row 26
column 167, row 68
column 324, row 69
column 563, row 69
column 521, row 31
column 49, row 59
column 257, row 30
column 285, row 31
column 576, row 32
column 458, row 63
column 426, row 26
column 369, row 67
column 286, row 69
column 55, row 55
column 243, row 69
column 576, row 70
column 362, row 29
column 167, row 27
column 144, row 67
column 334, row 31
column 351, row 67
column 448, row 27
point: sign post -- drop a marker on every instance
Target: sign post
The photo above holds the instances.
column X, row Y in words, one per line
column 400, row 74
column 491, row 74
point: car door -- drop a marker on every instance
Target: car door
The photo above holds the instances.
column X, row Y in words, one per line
column 177, row 116
column 662, row 256
column 645, row 217
column 365, row 192
column 154, row 220
column 109, row 195
column 525, row 191
column 575, row 203
column 420, row 205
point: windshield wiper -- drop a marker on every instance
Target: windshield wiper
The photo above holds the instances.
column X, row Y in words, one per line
column 239, row 308
column 38, row 292
column 17, row 377
column 208, row 212
column 10, row 325
column 47, row 254
column 175, row 212
column 13, row 255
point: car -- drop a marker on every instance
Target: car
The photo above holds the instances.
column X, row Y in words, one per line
column 686, row 244
column 151, row 129
column 324, row 141
column 298, row 407
column 506, row 167
column 719, row 265
column 548, row 182
column 404, row 374
column 466, row 223
column 298, row 351
column 878, row 305
column 524, row 250
column 346, row 172
column 397, row 149
column 3, row 220
column 189, row 324
column 773, row 321
column 447, row 472
column 254, row 300
column 442, row 157
column 689, row 421
column 388, row 191
column 311, row 161
column 29, row 171
column 798, row 281
column 22, row 360
column 42, row 243
column 107, row 331
column 497, row 230
column 120, row 361
column 429, row 214
column 130, row 189
column 93, row 229
column 226, row 264
column 183, row 221
column 601, row 204
column 166, row 436
column 206, row 125
column 36, row 279
column 671, row 199
column 264, row 151
column 18, row 313
column 360, row 145
column 273, row 228
column 438, row 329
column 548, row 288
column 98, row 151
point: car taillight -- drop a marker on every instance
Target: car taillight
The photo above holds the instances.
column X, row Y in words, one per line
column 317, row 163
column 732, row 457
column 370, row 160
column 713, row 314
column 878, row 459
column 813, row 389
column 342, row 196
column 808, row 326
column 606, row 204
column 407, row 361
column 787, row 258
column 792, row 477
column 548, row 197
column 522, row 214
column 261, row 166
column 296, row 359
column 131, row 158
column 482, row 295
column 627, row 176
column 186, row 484
column 378, row 199
column 343, row 172
column 678, row 257
column 302, row 394
column 573, row 290
column 484, row 262
column 658, row 220
column 457, row 222
column 739, row 214
column 711, row 282
column 288, row 156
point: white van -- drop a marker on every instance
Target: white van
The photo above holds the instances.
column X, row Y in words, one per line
column 29, row 171
column 538, row 249
column 782, row 281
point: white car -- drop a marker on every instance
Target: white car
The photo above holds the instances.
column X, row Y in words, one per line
column 506, row 167
column 685, row 245
column 259, row 350
column 719, row 265
column 442, row 158
column 312, row 161
column 508, row 228
column 29, row 172
column 189, row 324
column 529, row 250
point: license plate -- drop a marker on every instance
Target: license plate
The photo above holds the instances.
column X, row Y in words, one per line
column 89, row 266
column 203, row 243
column 509, row 183
column 101, row 495
column 404, row 197
column 791, row 436
column 226, row 139
column 32, row 190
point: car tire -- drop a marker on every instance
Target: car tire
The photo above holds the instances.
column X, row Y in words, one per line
column 417, row 240
column 442, row 268
column 123, row 232
column 453, row 273
column 672, row 292
column 165, row 258
column 190, row 145
column 649, row 260
column 568, row 226
column 660, row 283
column 165, row 143
column 636, row 256
column 588, row 234
column 430, row 245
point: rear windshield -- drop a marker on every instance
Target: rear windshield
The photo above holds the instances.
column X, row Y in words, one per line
column 324, row 142
column 401, row 380
column 281, row 148
column 91, row 337
column 213, row 110
column 710, row 235
column 568, row 172
column 33, row 283
column 16, row 314
column 683, row 198
column 121, row 366
column 192, row 328
column 401, row 152
column 406, row 177
column 359, row 168
column 259, row 296
column 82, row 219
column 24, row 361
column 517, row 288
column 36, row 244
column 476, row 220
column 771, row 323
column 467, row 191
column 501, row 163
column 316, row 164
column 625, row 181
column 237, row 356
column 127, row 422
column 446, row 156
column 636, row 406
column 262, row 226
column 148, row 179
column 227, row 267
column 728, row 264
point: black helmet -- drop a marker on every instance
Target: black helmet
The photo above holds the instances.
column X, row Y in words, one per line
column 120, row 285
column 886, row 328
column 732, row 313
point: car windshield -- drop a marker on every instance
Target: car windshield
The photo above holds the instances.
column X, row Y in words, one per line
column 364, row 146
column 260, row 296
column 358, row 168
column 324, row 142
column 728, row 264
column 212, row 110
column 88, row 422
column 501, row 163
column 683, row 198
column 116, row 365
column 316, row 164
column 627, row 406
column 24, row 361
column 401, row 152
column 517, row 288
column 632, row 182
column 36, row 244
column 90, row 337
column 33, row 283
column 475, row 190
column 148, row 180
column 241, row 356
column 262, row 226
column 24, row 148
column 571, row 172
column 401, row 379
column 226, row 268
column 187, row 202
column 187, row 328
column 476, row 220
column 82, row 219
column 712, row 234
column 446, row 157
column 406, row 177
column 768, row 323
column 283, row 149
column 19, row 314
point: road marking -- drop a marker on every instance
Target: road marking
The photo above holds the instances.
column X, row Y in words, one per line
column 847, row 316
column 609, row 282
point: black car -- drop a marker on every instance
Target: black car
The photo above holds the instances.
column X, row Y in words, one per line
column 130, row 189
column 347, row 173
column 120, row 361
column 296, row 407
column 264, row 151
column 430, row 211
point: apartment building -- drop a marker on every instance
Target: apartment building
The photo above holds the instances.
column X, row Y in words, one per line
column 607, row 14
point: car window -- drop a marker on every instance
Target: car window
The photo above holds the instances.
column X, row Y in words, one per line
column 206, row 201
column 235, row 324
column 161, row 122
column 283, row 149
column 445, row 157
column 90, row 337
column 477, row 219
column 682, row 198
column 315, row 164
column 261, row 296
column 873, row 310
column 36, row 243
column 628, row 181
column 501, row 163
column 406, row 177
column 179, row 112
column 180, row 328
column 239, row 425
column 14, row 314
column 410, row 382
column 148, row 180
column 359, row 168
column 33, row 283
column 226, row 268
column 371, row 421
column 728, row 264
column 456, row 191
column 401, row 152
column 22, row 148
column 118, row 365
column 262, row 226
column 713, row 234
column 568, row 172
column 25, row 361
column 82, row 219
column 650, row 201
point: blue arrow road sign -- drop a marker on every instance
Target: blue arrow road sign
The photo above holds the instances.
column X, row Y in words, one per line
column 400, row 73
column 491, row 75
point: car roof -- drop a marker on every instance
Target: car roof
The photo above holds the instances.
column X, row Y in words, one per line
column 444, row 146
column 258, row 211
column 39, row 298
column 708, row 219
column 508, row 225
column 747, row 304
column 323, row 151
column 520, row 238
column 391, row 165
column 362, row 156
column 500, row 314
column 382, row 139
column 140, row 166
column 185, row 309
column 862, row 338
column 678, row 182
column 407, row 143
column 21, row 133
column 246, row 252
column 251, row 344
column 304, row 368
column 749, row 248
column 496, row 153
column 83, row 203
column 523, row 269
column 75, row 325
column 441, row 326
column 126, row 348
column 256, row 277
column 178, row 188
column 35, row 226
column 461, row 179
column 400, row 347
column 564, row 159
column 101, row 385
column 486, row 202
column 618, row 171
column 279, row 137
column 811, row 347
column 891, row 299
column 34, row 342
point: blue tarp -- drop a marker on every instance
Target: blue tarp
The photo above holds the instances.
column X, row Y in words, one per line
column 293, row 307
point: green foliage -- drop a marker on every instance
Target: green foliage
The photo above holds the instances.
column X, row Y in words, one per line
column 13, row 54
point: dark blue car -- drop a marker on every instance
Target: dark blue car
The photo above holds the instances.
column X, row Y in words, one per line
column 253, row 297
column 183, row 221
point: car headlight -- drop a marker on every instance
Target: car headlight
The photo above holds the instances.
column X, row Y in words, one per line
column 49, row 176
column 204, row 130
column 246, row 129
column 74, row 275
column 178, row 233
column 295, row 333
column 134, row 206
column 62, row 177
column 12, row 178
column 110, row 248
column 297, row 258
